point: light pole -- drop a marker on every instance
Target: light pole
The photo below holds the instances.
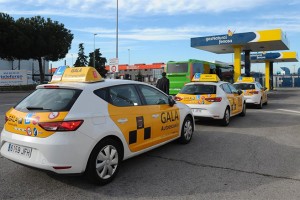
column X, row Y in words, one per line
column 117, row 29
column 128, row 57
column 72, row 59
column 94, row 47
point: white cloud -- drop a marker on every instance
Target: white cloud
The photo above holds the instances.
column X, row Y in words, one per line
column 54, row 12
column 185, row 32
column 91, row 8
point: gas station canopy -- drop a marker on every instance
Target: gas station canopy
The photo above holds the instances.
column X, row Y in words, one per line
column 266, row 40
column 290, row 56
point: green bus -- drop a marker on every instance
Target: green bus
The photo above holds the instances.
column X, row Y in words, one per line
column 181, row 72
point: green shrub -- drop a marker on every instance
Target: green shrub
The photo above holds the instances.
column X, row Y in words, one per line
column 18, row 88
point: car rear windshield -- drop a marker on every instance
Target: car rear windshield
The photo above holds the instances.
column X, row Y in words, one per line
column 49, row 100
column 244, row 86
column 198, row 89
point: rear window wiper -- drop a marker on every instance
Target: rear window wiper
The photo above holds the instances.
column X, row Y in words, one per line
column 37, row 108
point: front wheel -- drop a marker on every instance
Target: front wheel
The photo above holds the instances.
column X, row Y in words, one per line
column 186, row 131
column 104, row 162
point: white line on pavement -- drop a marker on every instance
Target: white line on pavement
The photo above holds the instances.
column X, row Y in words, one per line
column 293, row 111
column 9, row 104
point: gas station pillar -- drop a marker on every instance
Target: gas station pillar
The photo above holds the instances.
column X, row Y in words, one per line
column 271, row 75
column 247, row 63
column 237, row 63
column 267, row 75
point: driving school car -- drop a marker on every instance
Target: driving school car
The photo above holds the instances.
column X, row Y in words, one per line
column 254, row 92
column 83, row 123
column 208, row 97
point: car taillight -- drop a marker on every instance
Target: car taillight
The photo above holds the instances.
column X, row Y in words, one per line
column 214, row 99
column 61, row 126
column 253, row 92
column 178, row 98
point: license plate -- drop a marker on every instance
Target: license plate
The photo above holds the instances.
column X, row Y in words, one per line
column 196, row 110
column 20, row 150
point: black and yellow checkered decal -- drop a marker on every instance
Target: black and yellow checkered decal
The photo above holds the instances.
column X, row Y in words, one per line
column 139, row 125
column 146, row 126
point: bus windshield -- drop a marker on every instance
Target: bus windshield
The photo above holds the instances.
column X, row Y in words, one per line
column 177, row 68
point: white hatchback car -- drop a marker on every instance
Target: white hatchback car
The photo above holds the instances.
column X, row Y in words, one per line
column 254, row 92
column 208, row 97
column 82, row 123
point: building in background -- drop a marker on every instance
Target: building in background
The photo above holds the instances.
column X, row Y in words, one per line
column 140, row 72
column 31, row 66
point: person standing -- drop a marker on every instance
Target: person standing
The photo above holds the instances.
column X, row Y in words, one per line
column 163, row 83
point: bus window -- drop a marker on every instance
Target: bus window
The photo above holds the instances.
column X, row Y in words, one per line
column 177, row 68
column 197, row 68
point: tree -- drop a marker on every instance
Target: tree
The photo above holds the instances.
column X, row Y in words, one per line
column 8, row 34
column 43, row 40
column 99, row 62
column 81, row 59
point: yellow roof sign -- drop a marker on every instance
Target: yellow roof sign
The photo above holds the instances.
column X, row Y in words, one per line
column 76, row 74
column 206, row 77
column 246, row 79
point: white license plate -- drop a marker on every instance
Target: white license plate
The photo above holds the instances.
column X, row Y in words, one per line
column 196, row 110
column 20, row 150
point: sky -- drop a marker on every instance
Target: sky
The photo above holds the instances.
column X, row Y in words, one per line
column 151, row 31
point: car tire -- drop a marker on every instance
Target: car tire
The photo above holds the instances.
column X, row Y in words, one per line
column 186, row 130
column 243, row 113
column 226, row 119
column 260, row 105
column 104, row 162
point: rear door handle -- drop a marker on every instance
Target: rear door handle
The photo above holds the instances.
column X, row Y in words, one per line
column 122, row 120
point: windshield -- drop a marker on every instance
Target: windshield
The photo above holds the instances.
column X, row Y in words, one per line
column 48, row 100
column 198, row 89
column 177, row 67
column 244, row 86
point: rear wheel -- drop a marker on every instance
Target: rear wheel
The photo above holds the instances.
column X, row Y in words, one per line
column 104, row 162
column 186, row 131
column 243, row 113
column 260, row 105
column 226, row 119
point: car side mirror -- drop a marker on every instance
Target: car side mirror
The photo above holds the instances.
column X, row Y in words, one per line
column 240, row 92
column 171, row 101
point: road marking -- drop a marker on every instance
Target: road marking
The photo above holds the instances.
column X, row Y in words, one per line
column 9, row 104
column 277, row 111
column 293, row 111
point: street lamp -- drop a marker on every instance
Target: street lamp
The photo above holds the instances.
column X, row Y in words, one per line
column 72, row 59
column 128, row 57
column 117, row 29
column 94, row 47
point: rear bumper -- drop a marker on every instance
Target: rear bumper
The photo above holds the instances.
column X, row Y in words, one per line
column 62, row 152
column 207, row 111
column 254, row 99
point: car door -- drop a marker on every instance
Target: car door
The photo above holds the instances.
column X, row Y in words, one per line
column 164, row 119
column 262, row 91
column 238, row 99
column 229, row 96
column 127, row 112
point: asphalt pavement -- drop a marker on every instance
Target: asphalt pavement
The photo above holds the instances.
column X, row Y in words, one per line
column 255, row 157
